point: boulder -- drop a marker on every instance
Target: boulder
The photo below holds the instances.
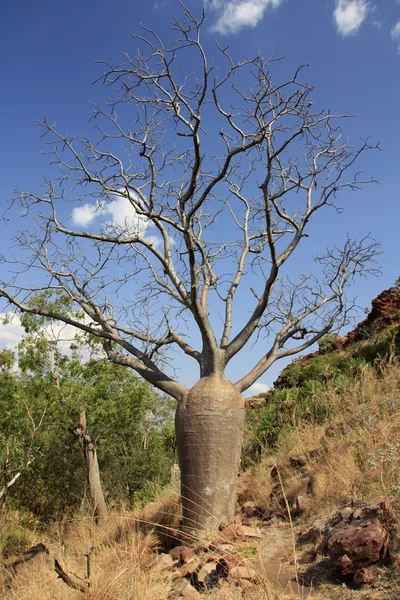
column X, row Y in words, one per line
column 356, row 546
column 364, row 575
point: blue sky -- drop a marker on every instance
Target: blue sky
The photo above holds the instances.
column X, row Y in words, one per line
column 353, row 48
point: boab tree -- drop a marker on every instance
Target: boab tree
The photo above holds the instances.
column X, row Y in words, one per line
column 195, row 194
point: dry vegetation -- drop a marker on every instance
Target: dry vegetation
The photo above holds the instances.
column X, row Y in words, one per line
column 360, row 457
column 359, row 462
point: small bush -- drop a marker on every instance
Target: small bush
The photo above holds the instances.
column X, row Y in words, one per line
column 326, row 343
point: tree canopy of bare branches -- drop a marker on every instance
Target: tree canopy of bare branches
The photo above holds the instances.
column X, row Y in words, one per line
column 193, row 196
column 201, row 220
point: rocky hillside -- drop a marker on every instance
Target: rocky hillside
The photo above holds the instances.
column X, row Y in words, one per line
column 373, row 337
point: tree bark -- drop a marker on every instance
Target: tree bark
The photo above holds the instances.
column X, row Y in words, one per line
column 92, row 468
column 209, row 431
column 93, row 472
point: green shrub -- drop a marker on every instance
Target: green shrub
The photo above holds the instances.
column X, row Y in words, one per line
column 326, row 343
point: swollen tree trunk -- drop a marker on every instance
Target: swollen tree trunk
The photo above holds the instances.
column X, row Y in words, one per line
column 92, row 468
column 209, row 432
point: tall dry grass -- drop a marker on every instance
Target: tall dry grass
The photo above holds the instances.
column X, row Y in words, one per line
column 360, row 457
column 360, row 462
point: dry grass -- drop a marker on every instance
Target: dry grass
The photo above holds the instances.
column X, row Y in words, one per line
column 255, row 485
column 360, row 461
column 122, row 567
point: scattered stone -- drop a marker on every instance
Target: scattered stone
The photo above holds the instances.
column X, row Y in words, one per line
column 304, row 503
column 183, row 589
column 182, row 553
column 313, row 534
column 165, row 561
column 178, row 585
column 203, row 568
column 224, row 565
column 190, row 592
column 207, row 573
column 240, row 573
column 190, row 567
column 227, row 534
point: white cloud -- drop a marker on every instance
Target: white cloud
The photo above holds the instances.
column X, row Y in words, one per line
column 349, row 15
column 83, row 215
column 124, row 216
column 257, row 388
column 233, row 15
column 122, row 213
column 395, row 33
column 12, row 332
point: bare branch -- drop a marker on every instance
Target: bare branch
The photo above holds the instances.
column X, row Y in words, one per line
column 192, row 196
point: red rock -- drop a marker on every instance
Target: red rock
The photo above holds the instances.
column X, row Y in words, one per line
column 304, row 503
column 385, row 311
column 362, row 544
column 204, row 575
column 227, row 534
column 182, row 553
column 225, row 564
column 190, row 593
column 190, row 567
column 187, row 554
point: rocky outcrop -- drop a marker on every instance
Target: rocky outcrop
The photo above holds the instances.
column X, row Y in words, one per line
column 385, row 312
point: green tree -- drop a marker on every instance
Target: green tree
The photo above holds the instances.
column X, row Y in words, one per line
column 18, row 427
column 126, row 422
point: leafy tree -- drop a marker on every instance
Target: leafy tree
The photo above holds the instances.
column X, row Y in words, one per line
column 220, row 170
column 14, row 454
column 126, row 421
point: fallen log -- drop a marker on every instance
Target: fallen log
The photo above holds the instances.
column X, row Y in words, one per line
column 75, row 585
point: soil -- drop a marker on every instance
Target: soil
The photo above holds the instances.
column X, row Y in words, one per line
column 276, row 564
